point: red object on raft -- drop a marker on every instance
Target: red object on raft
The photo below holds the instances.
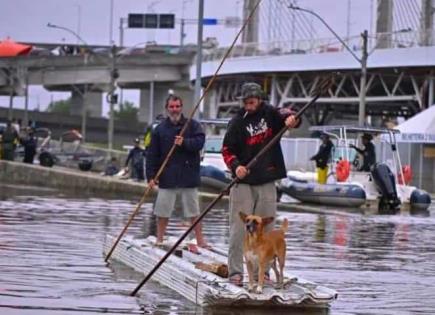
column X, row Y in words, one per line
column 342, row 170
column 407, row 175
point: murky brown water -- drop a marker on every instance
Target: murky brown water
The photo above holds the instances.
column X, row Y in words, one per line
column 51, row 258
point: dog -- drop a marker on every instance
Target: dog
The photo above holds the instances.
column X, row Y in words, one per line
column 262, row 249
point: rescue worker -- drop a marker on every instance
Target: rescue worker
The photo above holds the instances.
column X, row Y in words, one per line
column 368, row 153
column 322, row 158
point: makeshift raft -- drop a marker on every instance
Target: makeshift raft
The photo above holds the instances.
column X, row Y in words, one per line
column 181, row 273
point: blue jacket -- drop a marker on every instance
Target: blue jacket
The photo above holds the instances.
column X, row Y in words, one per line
column 182, row 169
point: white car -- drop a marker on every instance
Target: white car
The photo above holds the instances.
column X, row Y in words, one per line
column 212, row 153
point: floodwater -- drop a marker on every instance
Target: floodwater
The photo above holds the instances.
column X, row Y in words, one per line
column 51, row 259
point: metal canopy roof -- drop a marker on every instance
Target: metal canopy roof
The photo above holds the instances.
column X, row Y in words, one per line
column 353, row 129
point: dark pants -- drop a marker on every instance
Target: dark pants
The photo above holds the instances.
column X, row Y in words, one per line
column 8, row 151
column 137, row 172
column 28, row 158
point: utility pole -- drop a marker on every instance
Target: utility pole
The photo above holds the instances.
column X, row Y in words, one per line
column 199, row 51
column 84, row 113
column 182, row 34
column 151, row 100
column 11, row 93
column 26, row 100
column 121, row 31
column 363, row 81
column 112, row 97
column 111, row 23
column 348, row 23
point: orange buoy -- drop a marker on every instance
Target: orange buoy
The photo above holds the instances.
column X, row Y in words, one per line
column 342, row 170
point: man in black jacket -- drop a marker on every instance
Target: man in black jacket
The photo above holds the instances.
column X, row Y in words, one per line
column 322, row 157
column 9, row 142
column 368, row 153
column 30, row 144
column 249, row 130
column 181, row 174
column 136, row 157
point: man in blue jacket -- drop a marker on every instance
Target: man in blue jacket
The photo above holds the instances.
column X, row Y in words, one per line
column 181, row 174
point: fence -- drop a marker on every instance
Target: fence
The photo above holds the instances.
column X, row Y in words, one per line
column 399, row 39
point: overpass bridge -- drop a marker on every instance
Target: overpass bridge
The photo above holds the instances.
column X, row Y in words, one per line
column 87, row 73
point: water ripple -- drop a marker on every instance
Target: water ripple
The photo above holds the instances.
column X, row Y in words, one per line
column 51, row 259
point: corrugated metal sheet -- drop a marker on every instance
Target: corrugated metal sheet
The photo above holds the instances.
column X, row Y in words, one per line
column 207, row 289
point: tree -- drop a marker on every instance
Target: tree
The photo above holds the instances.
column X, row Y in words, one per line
column 127, row 112
column 61, row 106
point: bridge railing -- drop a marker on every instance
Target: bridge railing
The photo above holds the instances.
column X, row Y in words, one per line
column 399, row 39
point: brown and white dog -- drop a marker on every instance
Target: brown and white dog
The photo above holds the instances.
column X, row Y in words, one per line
column 261, row 249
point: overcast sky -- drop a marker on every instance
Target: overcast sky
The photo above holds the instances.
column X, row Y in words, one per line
column 26, row 20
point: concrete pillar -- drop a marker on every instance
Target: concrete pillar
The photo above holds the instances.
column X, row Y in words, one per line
column 426, row 23
column 210, row 105
column 160, row 95
column 250, row 34
column 144, row 104
column 94, row 102
column 384, row 23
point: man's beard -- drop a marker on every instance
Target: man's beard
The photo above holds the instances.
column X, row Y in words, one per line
column 174, row 117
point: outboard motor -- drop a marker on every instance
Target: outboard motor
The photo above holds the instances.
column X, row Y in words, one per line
column 386, row 184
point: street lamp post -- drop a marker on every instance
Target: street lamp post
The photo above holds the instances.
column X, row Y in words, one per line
column 112, row 97
column 121, row 31
column 84, row 104
column 197, row 93
column 362, row 61
column 67, row 30
column 111, row 23
column 11, row 94
column 363, row 82
column 182, row 34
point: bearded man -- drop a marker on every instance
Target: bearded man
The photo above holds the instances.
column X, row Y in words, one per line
column 181, row 174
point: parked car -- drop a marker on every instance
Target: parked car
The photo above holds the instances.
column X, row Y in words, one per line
column 214, row 172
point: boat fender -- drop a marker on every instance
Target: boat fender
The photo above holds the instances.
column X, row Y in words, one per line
column 407, row 175
column 342, row 170
column 420, row 200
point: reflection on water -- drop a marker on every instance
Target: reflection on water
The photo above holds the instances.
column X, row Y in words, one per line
column 51, row 258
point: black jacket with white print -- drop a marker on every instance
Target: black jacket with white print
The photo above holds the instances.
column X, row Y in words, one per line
column 247, row 134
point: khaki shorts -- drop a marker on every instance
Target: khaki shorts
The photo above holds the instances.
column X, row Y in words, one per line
column 165, row 202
